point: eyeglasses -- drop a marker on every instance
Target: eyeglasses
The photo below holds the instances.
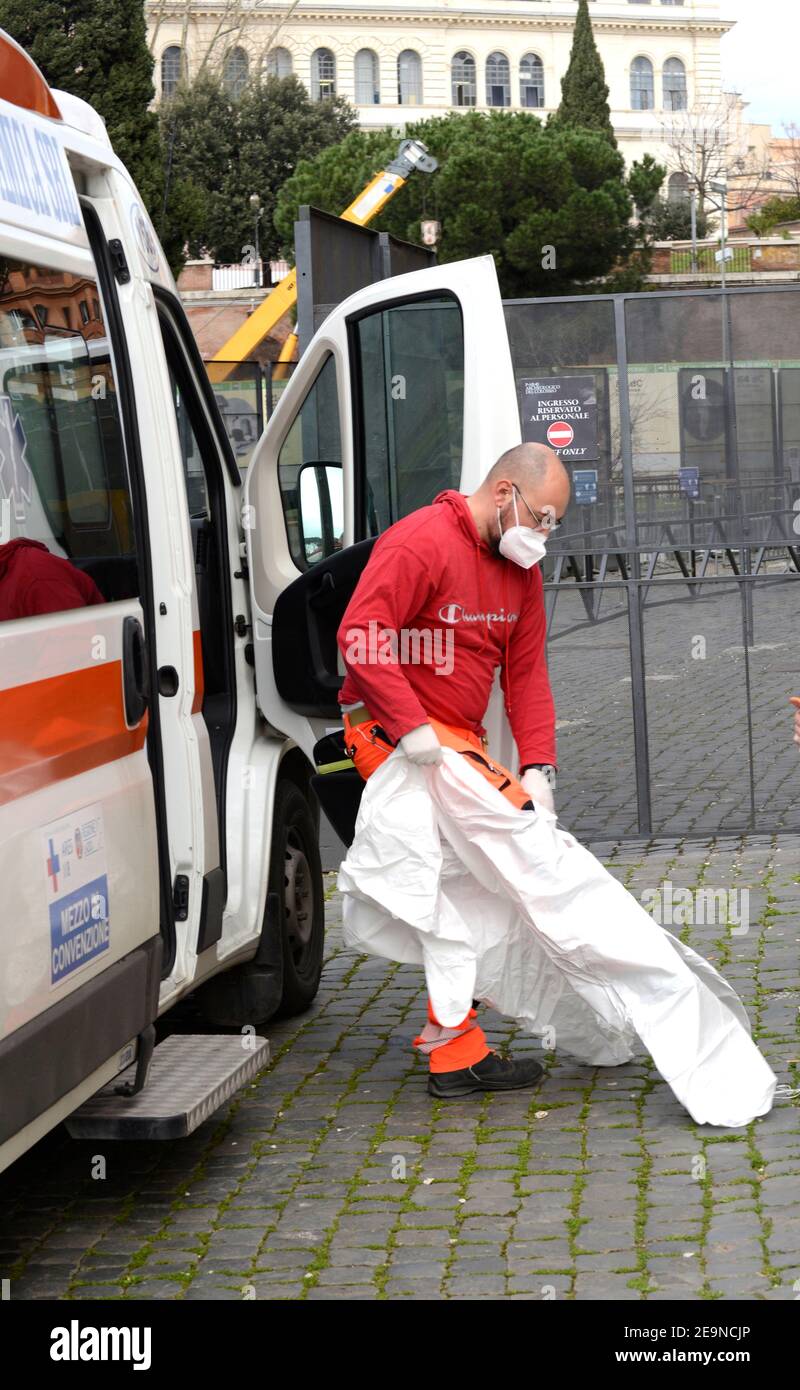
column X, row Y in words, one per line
column 545, row 519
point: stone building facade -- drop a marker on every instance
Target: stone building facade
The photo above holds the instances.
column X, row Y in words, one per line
column 400, row 62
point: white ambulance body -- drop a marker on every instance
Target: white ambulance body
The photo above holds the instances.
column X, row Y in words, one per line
column 158, row 823
column 140, row 790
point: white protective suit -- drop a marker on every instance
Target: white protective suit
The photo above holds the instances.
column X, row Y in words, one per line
column 504, row 906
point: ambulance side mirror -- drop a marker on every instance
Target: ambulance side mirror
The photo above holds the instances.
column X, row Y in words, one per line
column 321, row 510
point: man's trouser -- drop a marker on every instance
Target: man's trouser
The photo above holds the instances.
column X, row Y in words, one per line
column 368, row 744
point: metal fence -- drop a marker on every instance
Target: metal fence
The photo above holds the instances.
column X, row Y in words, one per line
column 672, row 586
column 684, row 262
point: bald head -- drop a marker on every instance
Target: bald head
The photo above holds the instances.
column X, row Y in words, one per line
column 524, row 464
column 531, row 472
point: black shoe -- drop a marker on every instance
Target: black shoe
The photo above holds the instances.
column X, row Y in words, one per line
column 492, row 1073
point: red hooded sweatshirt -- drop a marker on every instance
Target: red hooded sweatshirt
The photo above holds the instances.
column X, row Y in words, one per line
column 33, row 581
column 472, row 610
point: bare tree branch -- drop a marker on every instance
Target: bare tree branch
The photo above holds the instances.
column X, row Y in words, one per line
column 701, row 142
column 162, row 5
column 233, row 24
column 708, row 144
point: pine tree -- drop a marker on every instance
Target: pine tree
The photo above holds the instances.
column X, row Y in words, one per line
column 506, row 185
column 584, row 93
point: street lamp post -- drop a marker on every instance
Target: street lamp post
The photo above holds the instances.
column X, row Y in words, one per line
column 256, row 205
column 732, row 462
column 693, row 209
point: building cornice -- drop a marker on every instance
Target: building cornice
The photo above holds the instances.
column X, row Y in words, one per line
column 434, row 16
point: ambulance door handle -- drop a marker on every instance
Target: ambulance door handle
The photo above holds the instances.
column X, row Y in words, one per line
column 135, row 683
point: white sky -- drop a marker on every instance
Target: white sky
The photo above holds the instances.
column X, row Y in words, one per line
column 760, row 58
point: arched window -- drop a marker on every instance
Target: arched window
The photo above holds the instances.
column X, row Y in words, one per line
column 409, row 78
column 171, row 69
column 323, row 74
column 531, row 81
column 278, row 63
column 642, row 85
column 465, row 86
column 673, row 78
column 678, row 188
column 366, row 71
column 498, row 80
column 234, row 72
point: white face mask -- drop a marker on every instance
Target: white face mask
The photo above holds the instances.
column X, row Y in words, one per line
column 519, row 543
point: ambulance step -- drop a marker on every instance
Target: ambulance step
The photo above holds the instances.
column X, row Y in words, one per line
column 190, row 1076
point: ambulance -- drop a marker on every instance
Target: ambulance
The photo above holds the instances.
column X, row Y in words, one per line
column 168, row 659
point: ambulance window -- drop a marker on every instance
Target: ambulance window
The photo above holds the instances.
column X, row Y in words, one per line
column 310, row 473
column 193, row 470
column 410, row 376
column 63, row 472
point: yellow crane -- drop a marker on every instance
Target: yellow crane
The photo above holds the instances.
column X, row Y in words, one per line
column 412, row 155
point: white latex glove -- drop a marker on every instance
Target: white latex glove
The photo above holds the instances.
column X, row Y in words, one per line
column 538, row 788
column 421, row 745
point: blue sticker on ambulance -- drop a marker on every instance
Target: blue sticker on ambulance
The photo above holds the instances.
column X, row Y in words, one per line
column 77, row 891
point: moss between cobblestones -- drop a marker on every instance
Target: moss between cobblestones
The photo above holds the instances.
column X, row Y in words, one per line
column 706, row 1214
column 757, row 1162
column 642, row 1281
column 575, row 1221
column 465, row 1172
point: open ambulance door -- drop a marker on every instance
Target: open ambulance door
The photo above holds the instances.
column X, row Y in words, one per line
column 406, row 389
column 80, row 942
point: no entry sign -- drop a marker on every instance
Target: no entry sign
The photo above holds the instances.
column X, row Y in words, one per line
column 560, row 411
column 560, row 434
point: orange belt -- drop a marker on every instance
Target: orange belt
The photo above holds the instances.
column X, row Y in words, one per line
column 369, row 745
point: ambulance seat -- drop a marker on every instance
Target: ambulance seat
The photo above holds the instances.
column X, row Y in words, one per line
column 116, row 576
column 304, row 626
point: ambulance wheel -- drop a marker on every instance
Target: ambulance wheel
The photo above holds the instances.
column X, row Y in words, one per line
column 296, row 876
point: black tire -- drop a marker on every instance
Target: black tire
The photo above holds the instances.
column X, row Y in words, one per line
column 295, row 874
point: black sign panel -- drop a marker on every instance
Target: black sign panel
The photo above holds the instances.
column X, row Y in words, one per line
column 560, row 411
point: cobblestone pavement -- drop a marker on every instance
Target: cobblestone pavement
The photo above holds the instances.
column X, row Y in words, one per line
column 335, row 1175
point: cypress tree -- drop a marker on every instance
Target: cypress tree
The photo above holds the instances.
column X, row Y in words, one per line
column 584, row 93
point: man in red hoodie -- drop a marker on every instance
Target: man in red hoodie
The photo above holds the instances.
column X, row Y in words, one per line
column 33, row 581
column 462, row 572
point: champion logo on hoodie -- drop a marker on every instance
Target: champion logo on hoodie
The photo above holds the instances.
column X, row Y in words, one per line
column 455, row 613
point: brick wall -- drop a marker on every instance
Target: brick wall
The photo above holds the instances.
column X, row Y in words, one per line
column 196, row 275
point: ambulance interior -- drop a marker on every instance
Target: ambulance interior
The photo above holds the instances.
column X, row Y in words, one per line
column 63, row 471
column 62, row 466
